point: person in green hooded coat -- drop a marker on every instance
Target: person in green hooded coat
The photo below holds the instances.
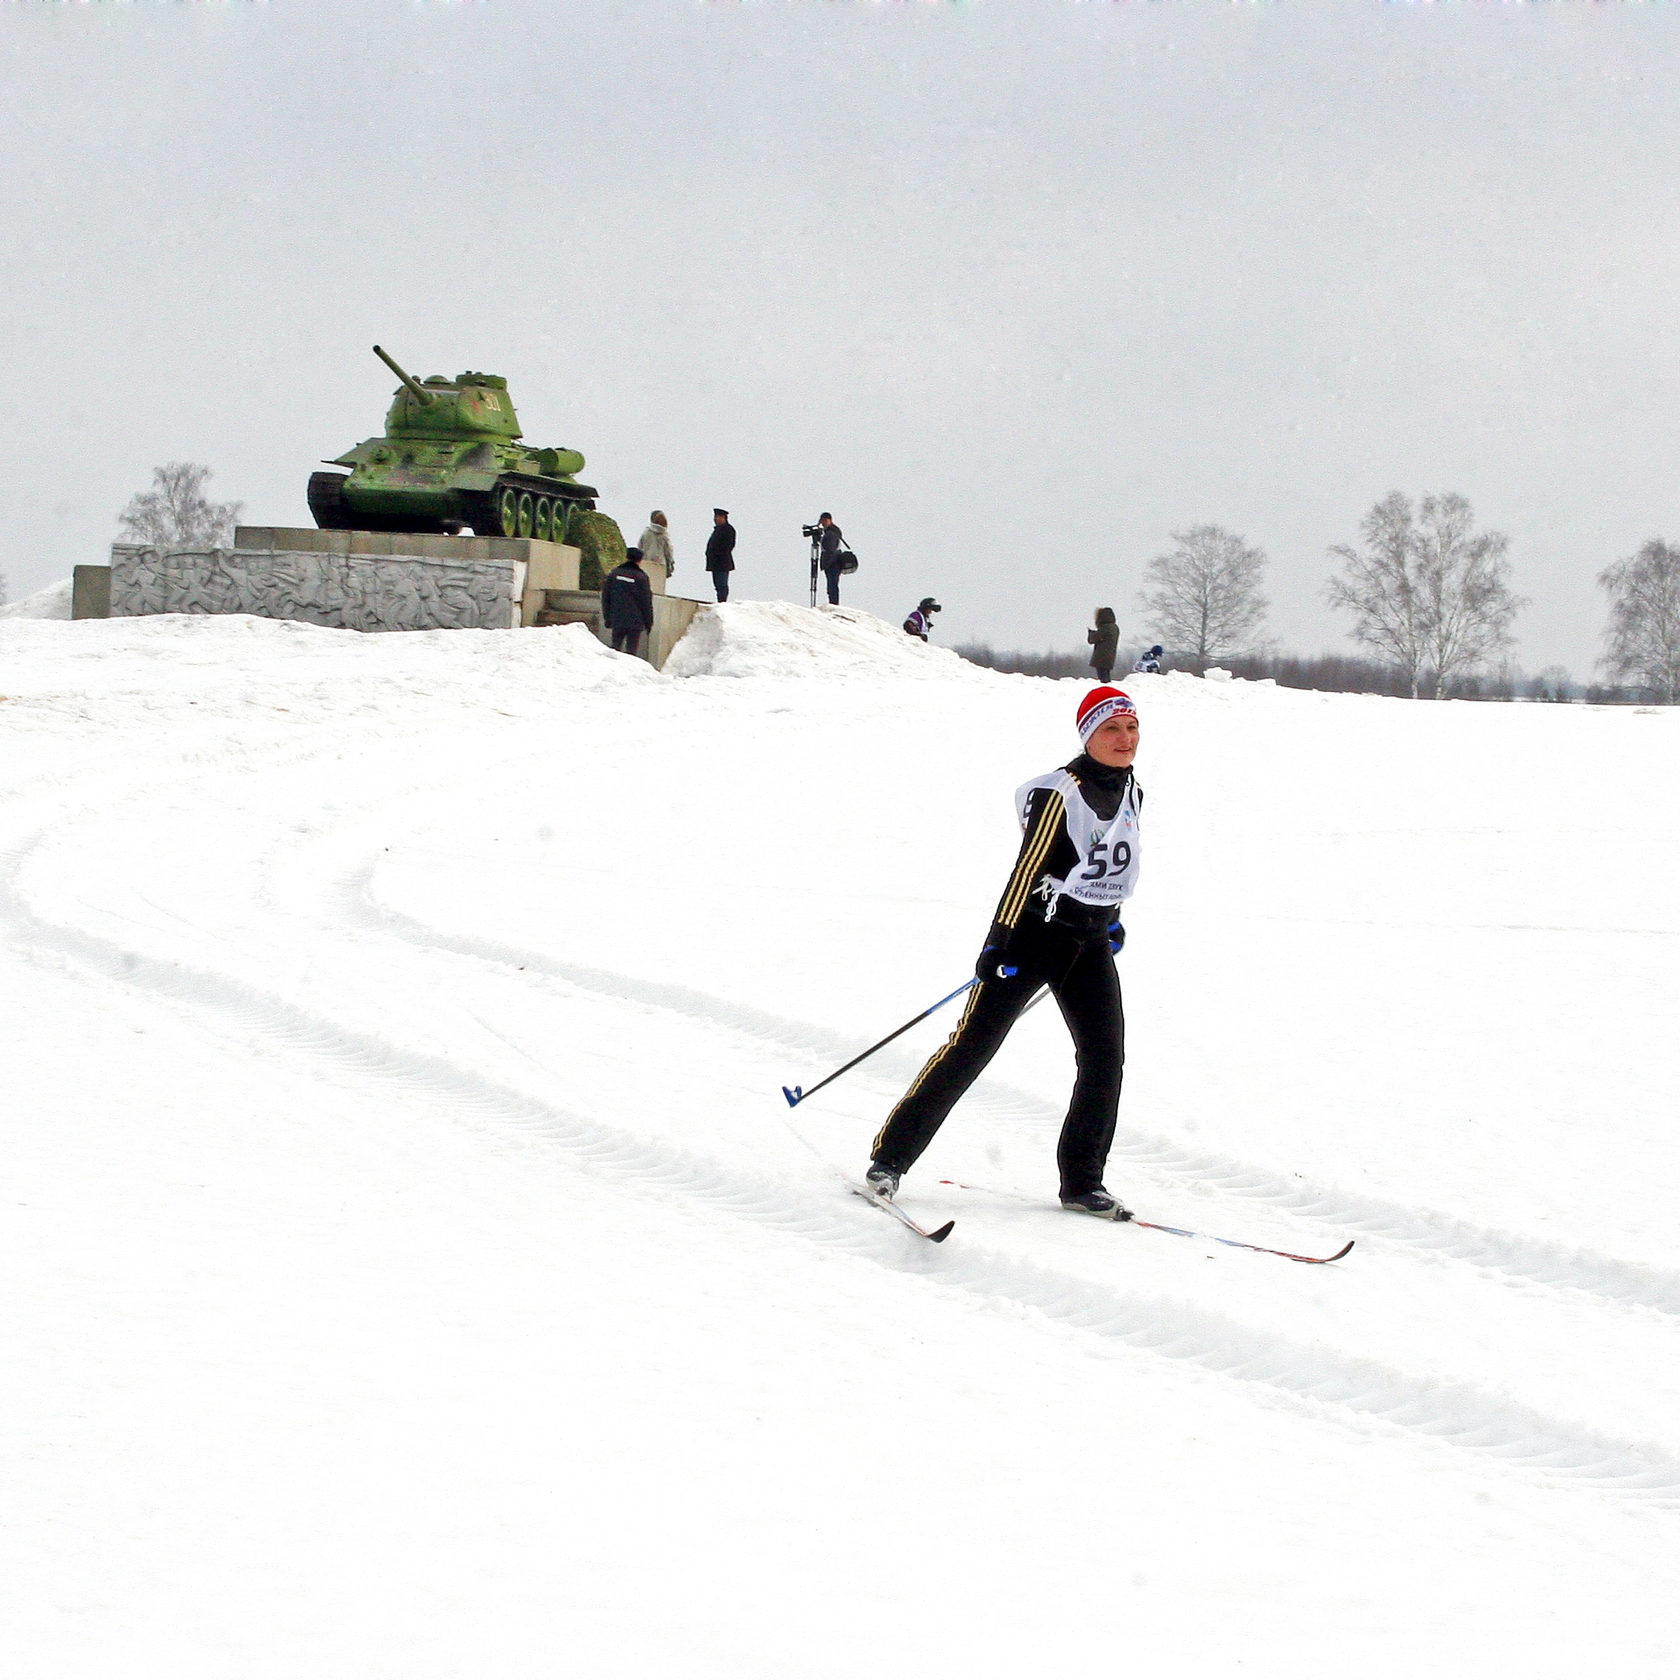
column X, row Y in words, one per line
column 1105, row 643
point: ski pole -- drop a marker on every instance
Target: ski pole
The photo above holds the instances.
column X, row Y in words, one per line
column 796, row 1094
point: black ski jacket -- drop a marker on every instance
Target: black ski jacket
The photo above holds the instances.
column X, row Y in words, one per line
column 627, row 598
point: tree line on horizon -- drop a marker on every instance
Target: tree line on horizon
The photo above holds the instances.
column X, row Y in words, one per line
column 1430, row 602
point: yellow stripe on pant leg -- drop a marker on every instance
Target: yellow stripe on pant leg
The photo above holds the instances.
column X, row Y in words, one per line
column 932, row 1062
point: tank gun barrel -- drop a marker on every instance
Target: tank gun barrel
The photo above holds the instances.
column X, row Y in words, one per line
column 413, row 385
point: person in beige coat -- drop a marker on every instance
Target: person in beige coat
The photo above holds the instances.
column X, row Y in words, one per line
column 656, row 544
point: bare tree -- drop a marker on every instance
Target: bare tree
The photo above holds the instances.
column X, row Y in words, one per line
column 1378, row 588
column 1643, row 636
column 175, row 513
column 1554, row 683
column 1429, row 594
column 1467, row 597
column 1204, row 596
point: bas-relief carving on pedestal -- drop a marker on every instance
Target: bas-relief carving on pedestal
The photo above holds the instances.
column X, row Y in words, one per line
column 341, row 591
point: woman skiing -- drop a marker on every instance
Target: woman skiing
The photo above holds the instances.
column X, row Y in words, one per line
column 1057, row 925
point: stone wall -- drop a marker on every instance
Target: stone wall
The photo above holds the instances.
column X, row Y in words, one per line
column 341, row 591
column 371, row 580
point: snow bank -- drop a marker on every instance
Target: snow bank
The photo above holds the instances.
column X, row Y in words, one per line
column 51, row 602
column 778, row 639
column 237, row 656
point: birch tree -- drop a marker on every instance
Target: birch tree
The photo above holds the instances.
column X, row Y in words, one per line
column 1642, row 639
column 175, row 513
column 1378, row 588
column 1429, row 594
column 1204, row 593
column 1466, row 586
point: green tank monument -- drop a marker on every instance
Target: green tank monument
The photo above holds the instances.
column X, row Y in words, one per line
column 450, row 460
column 388, row 550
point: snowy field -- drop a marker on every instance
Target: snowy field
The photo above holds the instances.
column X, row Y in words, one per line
column 411, row 1269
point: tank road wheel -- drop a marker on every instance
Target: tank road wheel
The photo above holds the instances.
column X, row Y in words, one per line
column 544, row 522
column 527, row 513
column 507, row 512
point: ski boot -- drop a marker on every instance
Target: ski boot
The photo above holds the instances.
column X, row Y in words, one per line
column 1098, row 1203
column 881, row 1181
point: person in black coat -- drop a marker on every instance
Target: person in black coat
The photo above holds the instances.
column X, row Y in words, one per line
column 720, row 552
column 1105, row 643
column 832, row 556
column 627, row 603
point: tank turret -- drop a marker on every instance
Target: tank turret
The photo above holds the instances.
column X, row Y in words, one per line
column 452, row 459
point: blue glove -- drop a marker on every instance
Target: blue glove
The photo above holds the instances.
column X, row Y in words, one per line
column 1116, row 937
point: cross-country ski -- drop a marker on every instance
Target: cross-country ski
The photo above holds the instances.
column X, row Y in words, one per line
column 1258, row 1248
column 888, row 1206
column 1180, row 1231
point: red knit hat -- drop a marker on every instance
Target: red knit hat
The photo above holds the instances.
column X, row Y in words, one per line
column 1099, row 706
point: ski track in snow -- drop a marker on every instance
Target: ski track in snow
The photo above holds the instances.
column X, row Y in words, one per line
column 1353, row 1391
column 1517, row 1258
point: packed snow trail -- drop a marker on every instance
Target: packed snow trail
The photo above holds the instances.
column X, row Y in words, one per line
column 1521, row 1259
column 1174, row 1328
column 416, row 874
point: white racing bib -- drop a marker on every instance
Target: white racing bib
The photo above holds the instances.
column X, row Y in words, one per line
column 1108, row 851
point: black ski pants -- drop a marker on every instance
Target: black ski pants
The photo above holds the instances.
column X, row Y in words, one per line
column 627, row 641
column 1088, row 994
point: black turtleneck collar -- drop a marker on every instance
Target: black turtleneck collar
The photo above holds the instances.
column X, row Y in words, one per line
column 1104, row 785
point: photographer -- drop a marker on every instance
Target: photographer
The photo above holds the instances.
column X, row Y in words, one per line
column 832, row 555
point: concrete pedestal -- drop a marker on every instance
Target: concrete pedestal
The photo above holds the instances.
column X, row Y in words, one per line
column 353, row 580
column 371, row 580
column 90, row 592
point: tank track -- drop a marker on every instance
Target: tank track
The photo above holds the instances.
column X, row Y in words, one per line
column 327, row 506
column 326, row 501
column 483, row 509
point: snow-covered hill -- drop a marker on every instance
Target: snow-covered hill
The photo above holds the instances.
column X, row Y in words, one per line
column 412, row 1268
column 51, row 602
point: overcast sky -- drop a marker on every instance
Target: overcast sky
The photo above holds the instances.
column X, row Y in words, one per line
column 1014, row 287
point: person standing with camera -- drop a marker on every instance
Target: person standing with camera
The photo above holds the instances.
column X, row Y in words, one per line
column 833, row 555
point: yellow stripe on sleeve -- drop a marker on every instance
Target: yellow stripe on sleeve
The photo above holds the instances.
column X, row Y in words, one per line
column 1033, row 854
